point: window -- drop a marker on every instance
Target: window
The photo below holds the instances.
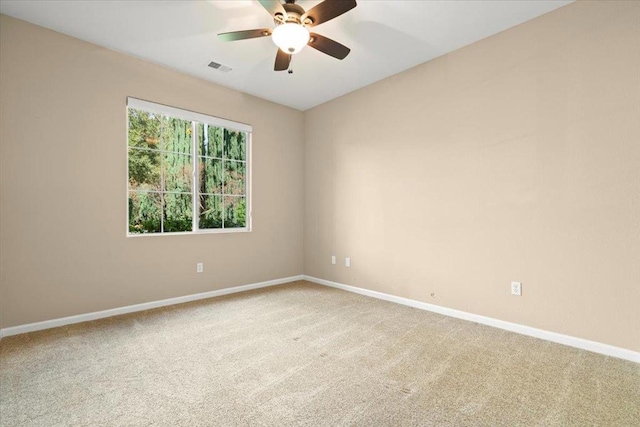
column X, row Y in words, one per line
column 187, row 172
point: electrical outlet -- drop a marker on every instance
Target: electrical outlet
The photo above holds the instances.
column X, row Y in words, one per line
column 516, row 288
column 199, row 267
column 333, row 259
column 347, row 262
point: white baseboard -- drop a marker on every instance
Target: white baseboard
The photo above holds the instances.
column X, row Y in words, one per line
column 580, row 343
column 54, row 323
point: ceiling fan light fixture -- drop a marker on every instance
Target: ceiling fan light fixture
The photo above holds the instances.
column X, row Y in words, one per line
column 290, row 37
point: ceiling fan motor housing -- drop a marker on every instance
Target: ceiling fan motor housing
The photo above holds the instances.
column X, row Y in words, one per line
column 294, row 12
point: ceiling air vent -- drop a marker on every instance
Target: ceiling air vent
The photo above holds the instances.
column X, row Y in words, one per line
column 219, row 67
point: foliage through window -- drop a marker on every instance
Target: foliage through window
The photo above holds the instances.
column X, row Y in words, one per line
column 187, row 172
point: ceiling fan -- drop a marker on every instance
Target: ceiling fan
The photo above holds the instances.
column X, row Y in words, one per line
column 291, row 32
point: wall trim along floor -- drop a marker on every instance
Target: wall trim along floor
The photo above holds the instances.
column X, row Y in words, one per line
column 581, row 343
column 54, row 323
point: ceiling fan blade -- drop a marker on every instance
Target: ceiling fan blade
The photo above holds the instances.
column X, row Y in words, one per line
column 328, row 46
column 282, row 61
column 327, row 10
column 274, row 7
column 245, row 34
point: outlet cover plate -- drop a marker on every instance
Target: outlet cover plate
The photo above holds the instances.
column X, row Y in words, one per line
column 516, row 288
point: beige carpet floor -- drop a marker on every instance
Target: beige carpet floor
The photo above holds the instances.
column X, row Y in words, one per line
column 305, row 355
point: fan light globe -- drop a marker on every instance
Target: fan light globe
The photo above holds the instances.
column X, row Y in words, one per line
column 290, row 37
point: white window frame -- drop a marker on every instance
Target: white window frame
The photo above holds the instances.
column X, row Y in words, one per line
column 192, row 116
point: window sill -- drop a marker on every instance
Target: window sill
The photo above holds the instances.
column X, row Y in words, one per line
column 192, row 233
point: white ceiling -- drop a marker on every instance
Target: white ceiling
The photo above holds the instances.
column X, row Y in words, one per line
column 385, row 37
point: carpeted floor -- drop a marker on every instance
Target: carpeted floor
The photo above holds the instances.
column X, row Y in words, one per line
column 305, row 355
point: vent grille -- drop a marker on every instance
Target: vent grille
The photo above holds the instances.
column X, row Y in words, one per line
column 219, row 67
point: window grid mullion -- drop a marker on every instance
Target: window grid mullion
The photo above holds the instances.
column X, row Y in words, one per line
column 157, row 150
column 224, row 177
column 162, row 184
column 194, row 181
column 223, row 213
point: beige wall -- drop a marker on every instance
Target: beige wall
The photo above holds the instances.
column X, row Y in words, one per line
column 515, row 158
column 63, row 248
